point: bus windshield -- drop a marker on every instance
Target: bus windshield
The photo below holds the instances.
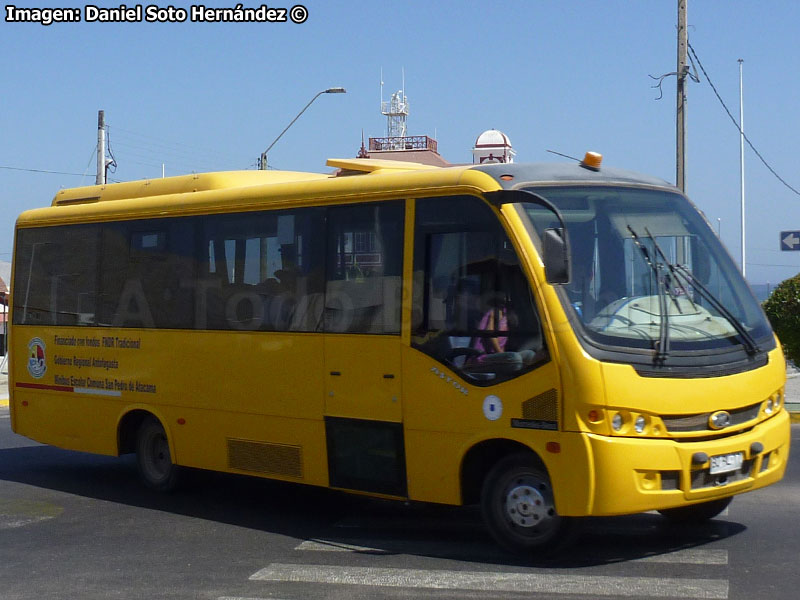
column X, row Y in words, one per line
column 648, row 272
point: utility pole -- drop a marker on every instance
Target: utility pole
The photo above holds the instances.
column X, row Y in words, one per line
column 683, row 69
column 741, row 160
column 101, row 148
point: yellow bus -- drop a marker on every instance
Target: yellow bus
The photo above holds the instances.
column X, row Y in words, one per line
column 550, row 341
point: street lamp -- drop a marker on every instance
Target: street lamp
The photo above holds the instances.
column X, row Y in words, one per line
column 334, row 90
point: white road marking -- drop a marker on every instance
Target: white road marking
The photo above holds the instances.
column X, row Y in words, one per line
column 244, row 598
column 14, row 521
column 22, row 512
column 692, row 556
column 592, row 585
column 317, row 545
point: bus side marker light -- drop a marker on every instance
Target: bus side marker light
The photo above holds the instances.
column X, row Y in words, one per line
column 24, row 403
column 595, row 416
column 181, row 421
column 553, row 447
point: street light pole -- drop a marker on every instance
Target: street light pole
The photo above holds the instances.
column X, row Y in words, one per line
column 262, row 165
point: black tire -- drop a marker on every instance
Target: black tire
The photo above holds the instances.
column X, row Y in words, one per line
column 519, row 507
column 156, row 469
column 697, row 513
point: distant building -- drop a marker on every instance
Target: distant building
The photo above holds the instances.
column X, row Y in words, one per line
column 492, row 146
column 413, row 148
column 397, row 145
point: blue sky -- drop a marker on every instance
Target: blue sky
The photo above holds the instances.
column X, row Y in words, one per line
column 569, row 76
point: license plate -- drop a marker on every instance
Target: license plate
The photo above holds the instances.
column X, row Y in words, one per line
column 724, row 463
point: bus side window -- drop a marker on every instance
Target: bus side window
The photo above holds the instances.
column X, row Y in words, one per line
column 146, row 269
column 364, row 268
column 56, row 280
column 472, row 310
column 262, row 271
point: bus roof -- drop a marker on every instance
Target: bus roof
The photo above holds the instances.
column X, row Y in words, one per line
column 229, row 190
column 561, row 173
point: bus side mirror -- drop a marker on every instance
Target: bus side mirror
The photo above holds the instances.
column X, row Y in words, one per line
column 556, row 256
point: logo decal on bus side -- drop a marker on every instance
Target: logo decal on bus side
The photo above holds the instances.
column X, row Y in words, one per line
column 492, row 407
column 450, row 380
column 36, row 358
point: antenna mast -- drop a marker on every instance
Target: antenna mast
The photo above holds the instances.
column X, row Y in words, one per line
column 396, row 113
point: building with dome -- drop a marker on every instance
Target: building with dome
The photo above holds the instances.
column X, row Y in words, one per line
column 492, row 146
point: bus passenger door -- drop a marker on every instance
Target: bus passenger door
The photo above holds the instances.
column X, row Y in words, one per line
column 363, row 404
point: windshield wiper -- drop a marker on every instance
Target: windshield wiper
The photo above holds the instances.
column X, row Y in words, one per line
column 747, row 340
column 662, row 345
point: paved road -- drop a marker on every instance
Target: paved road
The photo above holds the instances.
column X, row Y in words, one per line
column 80, row 526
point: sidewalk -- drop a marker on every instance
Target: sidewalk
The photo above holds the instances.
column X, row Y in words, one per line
column 792, row 392
column 4, row 386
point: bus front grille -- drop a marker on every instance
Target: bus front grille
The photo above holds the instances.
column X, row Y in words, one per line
column 699, row 422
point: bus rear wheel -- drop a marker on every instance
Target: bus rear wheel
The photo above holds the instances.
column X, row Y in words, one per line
column 156, row 468
column 697, row 513
column 519, row 507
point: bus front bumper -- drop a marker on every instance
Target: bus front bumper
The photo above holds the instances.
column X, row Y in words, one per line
column 636, row 475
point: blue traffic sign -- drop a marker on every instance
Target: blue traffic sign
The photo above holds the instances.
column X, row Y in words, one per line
column 790, row 240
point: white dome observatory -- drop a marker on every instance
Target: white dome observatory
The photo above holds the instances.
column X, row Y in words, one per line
column 492, row 146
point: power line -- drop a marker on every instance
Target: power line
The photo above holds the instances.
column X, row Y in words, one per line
column 191, row 150
column 42, row 171
column 736, row 123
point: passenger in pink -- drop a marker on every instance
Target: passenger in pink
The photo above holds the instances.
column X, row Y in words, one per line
column 495, row 319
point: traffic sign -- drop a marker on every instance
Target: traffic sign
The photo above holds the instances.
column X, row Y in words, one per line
column 790, row 240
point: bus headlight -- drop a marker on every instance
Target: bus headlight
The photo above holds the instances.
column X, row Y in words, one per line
column 768, row 407
column 639, row 424
column 616, row 422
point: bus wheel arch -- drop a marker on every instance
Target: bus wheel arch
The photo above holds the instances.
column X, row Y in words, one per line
column 143, row 433
column 479, row 461
column 128, row 428
column 519, row 509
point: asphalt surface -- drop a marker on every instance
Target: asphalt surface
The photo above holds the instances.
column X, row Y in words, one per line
column 80, row 526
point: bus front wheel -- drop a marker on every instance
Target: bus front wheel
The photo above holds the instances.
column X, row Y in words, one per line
column 519, row 507
column 156, row 468
column 697, row 513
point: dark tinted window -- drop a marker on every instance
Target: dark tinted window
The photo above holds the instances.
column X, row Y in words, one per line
column 263, row 271
column 365, row 268
column 473, row 309
column 259, row 271
column 146, row 273
column 56, row 276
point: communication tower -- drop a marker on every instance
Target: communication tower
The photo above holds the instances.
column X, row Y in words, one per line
column 396, row 113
